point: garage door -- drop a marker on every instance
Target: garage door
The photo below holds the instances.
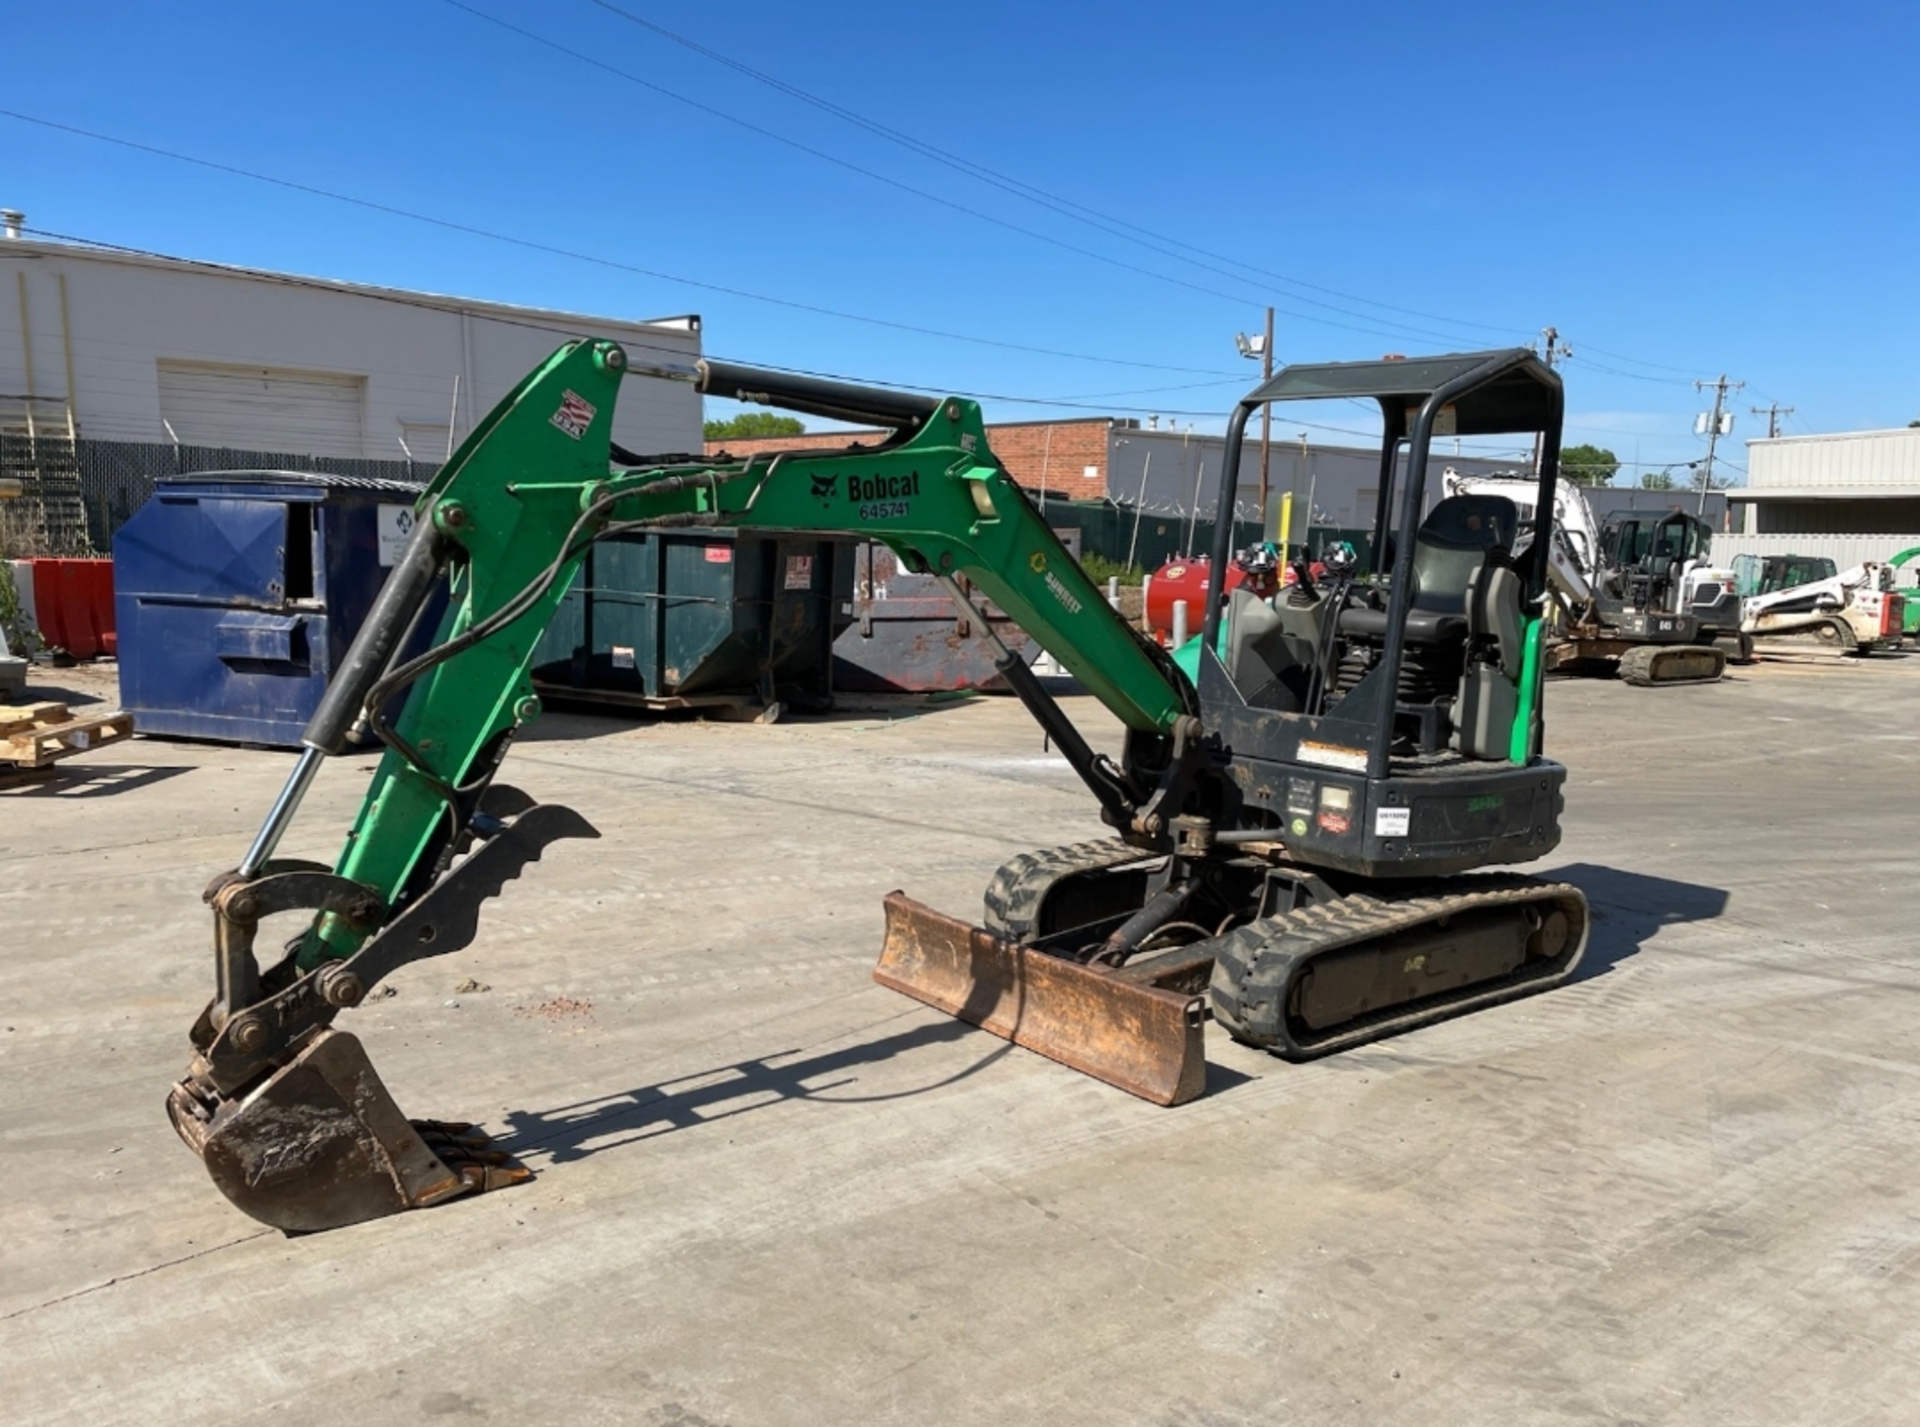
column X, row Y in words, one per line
column 264, row 408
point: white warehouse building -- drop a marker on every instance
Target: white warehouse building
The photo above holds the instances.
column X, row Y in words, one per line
column 105, row 345
column 1848, row 495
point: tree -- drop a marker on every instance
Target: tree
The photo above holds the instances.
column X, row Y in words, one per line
column 754, row 423
column 1588, row 465
column 1657, row 481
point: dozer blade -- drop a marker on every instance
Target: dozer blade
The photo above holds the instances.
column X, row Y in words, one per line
column 1137, row 1029
column 320, row 1144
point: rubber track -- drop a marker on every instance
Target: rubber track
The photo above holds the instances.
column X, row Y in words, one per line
column 1014, row 894
column 1637, row 665
column 1255, row 964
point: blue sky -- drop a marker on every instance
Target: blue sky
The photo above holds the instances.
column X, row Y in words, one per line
column 1682, row 190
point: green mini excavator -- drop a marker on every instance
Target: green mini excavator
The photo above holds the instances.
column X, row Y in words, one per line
column 1288, row 830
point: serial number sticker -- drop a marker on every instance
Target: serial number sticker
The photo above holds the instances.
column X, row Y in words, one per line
column 1332, row 755
column 885, row 509
column 1392, row 822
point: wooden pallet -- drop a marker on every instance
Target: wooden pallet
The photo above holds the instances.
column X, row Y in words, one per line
column 34, row 735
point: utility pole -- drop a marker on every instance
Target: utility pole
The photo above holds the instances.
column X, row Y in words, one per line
column 1773, row 411
column 1555, row 348
column 1266, row 424
column 1718, row 423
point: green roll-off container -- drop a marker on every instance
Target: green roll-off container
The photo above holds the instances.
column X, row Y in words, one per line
column 680, row 619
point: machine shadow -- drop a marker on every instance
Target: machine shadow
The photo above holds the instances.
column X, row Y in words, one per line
column 589, row 1127
column 91, row 780
column 1629, row 907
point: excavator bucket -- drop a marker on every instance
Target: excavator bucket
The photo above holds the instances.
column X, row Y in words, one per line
column 1140, row 1028
column 320, row 1144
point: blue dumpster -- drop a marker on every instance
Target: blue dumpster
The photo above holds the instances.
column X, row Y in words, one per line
column 236, row 594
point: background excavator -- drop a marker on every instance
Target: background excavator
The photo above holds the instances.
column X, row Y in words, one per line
column 1637, row 592
column 1289, row 827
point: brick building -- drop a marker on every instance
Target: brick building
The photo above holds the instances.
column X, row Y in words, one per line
column 1067, row 459
column 1159, row 469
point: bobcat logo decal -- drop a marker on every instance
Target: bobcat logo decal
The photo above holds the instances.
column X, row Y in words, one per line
column 824, row 488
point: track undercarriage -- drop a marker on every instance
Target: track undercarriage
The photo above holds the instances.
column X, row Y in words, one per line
column 1293, row 960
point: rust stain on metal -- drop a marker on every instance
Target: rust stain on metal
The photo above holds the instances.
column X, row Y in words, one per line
column 1142, row 1030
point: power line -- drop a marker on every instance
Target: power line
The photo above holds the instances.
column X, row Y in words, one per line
column 598, row 260
column 532, row 37
column 1086, row 401
column 1594, row 366
column 1077, row 212
column 1637, row 361
column 533, row 245
column 402, row 299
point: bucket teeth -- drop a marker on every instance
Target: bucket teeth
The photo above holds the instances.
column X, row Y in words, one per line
column 319, row 1143
column 482, row 1177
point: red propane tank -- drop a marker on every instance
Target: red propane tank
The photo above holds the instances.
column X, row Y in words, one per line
column 1192, row 581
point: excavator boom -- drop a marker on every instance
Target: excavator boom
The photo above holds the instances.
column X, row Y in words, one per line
column 1289, row 825
column 286, row 1112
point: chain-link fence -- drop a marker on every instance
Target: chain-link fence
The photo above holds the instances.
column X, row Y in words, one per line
column 1145, row 540
column 73, row 495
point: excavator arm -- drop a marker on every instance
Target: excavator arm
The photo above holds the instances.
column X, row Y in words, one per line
column 512, row 514
column 286, row 1112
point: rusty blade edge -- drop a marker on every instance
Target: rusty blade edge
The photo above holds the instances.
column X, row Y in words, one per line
column 1139, row 1038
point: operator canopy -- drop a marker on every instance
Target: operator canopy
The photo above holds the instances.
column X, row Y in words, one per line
column 1509, row 390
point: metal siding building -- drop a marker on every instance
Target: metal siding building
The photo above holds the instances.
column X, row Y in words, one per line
column 1849, row 495
column 132, row 348
column 1343, row 482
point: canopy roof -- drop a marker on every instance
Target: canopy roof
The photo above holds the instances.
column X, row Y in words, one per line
column 1506, row 390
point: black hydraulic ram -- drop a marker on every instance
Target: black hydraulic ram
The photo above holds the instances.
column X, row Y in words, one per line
column 398, row 605
column 1103, row 780
column 837, row 401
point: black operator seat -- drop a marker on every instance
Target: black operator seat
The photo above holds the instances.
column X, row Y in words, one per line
column 1453, row 542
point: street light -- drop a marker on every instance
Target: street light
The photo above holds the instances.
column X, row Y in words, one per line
column 1258, row 349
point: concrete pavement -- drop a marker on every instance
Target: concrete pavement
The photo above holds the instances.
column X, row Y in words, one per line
column 1685, row 1189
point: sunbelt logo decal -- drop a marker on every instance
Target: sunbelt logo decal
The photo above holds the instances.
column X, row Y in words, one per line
column 1062, row 593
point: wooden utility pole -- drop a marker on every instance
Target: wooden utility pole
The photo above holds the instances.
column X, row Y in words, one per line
column 1713, row 422
column 1555, row 349
column 1266, row 424
column 1773, row 411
